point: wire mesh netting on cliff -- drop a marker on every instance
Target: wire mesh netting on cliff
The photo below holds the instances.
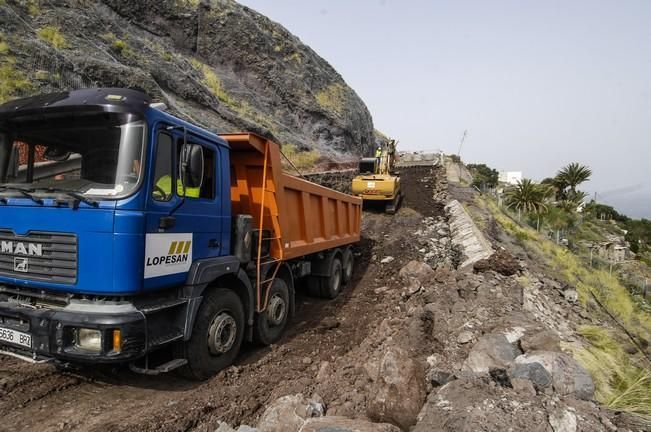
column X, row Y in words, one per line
column 52, row 74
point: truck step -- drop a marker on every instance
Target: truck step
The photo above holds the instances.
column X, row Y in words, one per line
column 164, row 368
column 166, row 338
column 151, row 308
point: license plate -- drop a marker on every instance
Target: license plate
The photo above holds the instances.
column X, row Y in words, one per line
column 15, row 337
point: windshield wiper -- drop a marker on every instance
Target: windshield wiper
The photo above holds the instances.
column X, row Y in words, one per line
column 73, row 194
column 24, row 192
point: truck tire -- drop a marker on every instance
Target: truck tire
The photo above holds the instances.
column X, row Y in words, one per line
column 270, row 324
column 217, row 335
column 327, row 286
column 348, row 263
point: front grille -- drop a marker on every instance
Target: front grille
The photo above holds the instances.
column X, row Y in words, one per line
column 57, row 262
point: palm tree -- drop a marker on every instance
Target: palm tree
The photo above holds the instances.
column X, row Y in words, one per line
column 527, row 197
column 572, row 200
column 573, row 175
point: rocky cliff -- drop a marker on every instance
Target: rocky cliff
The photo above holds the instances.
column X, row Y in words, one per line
column 214, row 62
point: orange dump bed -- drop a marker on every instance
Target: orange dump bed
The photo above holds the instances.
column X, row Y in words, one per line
column 302, row 217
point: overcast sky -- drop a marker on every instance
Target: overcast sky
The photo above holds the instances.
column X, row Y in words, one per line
column 537, row 84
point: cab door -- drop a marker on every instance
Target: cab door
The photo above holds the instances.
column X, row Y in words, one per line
column 180, row 228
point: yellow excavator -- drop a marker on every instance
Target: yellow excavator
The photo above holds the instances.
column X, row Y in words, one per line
column 378, row 180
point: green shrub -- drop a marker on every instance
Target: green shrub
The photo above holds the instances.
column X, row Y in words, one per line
column 33, row 7
column 53, row 36
column 119, row 46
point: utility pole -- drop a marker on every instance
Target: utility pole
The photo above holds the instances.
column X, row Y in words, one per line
column 463, row 138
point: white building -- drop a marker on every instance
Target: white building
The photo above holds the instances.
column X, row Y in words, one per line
column 510, row 177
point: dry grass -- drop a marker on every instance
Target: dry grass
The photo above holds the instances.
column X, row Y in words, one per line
column 332, row 98
column 302, row 159
column 621, row 385
column 212, row 82
column 13, row 82
column 52, row 35
column 242, row 108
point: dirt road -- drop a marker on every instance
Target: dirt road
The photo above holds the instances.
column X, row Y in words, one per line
column 42, row 398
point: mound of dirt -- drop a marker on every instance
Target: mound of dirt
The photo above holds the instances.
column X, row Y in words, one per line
column 501, row 262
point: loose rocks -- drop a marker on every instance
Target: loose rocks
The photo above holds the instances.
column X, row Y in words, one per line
column 563, row 421
column 568, row 377
column 534, row 372
column 492, row 351
column 419, row 271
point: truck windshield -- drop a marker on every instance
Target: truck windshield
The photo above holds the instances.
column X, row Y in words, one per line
column 98, row 155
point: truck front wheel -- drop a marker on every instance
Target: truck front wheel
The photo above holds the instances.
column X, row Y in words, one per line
column 217, row 335
column 270, row 324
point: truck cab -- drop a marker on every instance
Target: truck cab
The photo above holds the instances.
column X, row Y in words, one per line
column 115, row 219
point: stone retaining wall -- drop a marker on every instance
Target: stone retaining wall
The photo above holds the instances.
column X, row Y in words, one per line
column 466, row 236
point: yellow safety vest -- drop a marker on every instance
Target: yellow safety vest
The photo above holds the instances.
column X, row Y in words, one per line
column 165, row 183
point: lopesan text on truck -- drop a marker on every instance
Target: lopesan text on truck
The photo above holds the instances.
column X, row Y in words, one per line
column 126, row 232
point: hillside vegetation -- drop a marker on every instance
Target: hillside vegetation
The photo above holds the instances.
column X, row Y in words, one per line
column 552, row 223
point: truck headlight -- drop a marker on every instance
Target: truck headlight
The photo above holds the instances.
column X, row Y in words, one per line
column 88, row 339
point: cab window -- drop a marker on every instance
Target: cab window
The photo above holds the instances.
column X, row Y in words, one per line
column 163, row 178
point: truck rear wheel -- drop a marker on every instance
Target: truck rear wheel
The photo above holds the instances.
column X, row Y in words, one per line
column 348, row 265
column 217, row 335
column 270, row 324
column 327, row 286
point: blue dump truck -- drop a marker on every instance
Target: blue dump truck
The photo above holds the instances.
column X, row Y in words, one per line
column 128, row 235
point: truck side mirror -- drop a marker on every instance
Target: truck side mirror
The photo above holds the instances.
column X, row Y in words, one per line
column 192, row 165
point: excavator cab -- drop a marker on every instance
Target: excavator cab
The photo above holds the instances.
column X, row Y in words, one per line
column 368, row 166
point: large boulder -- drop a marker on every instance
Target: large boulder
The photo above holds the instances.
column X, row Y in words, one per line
column 398, row 391
column 416, row 270
column 492, row 351
column 289, row 413
column 342, row 424
column 568, row 377
column 545, row 340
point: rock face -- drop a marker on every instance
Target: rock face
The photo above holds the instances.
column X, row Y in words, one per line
column 216, row 63
column 398, row 392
